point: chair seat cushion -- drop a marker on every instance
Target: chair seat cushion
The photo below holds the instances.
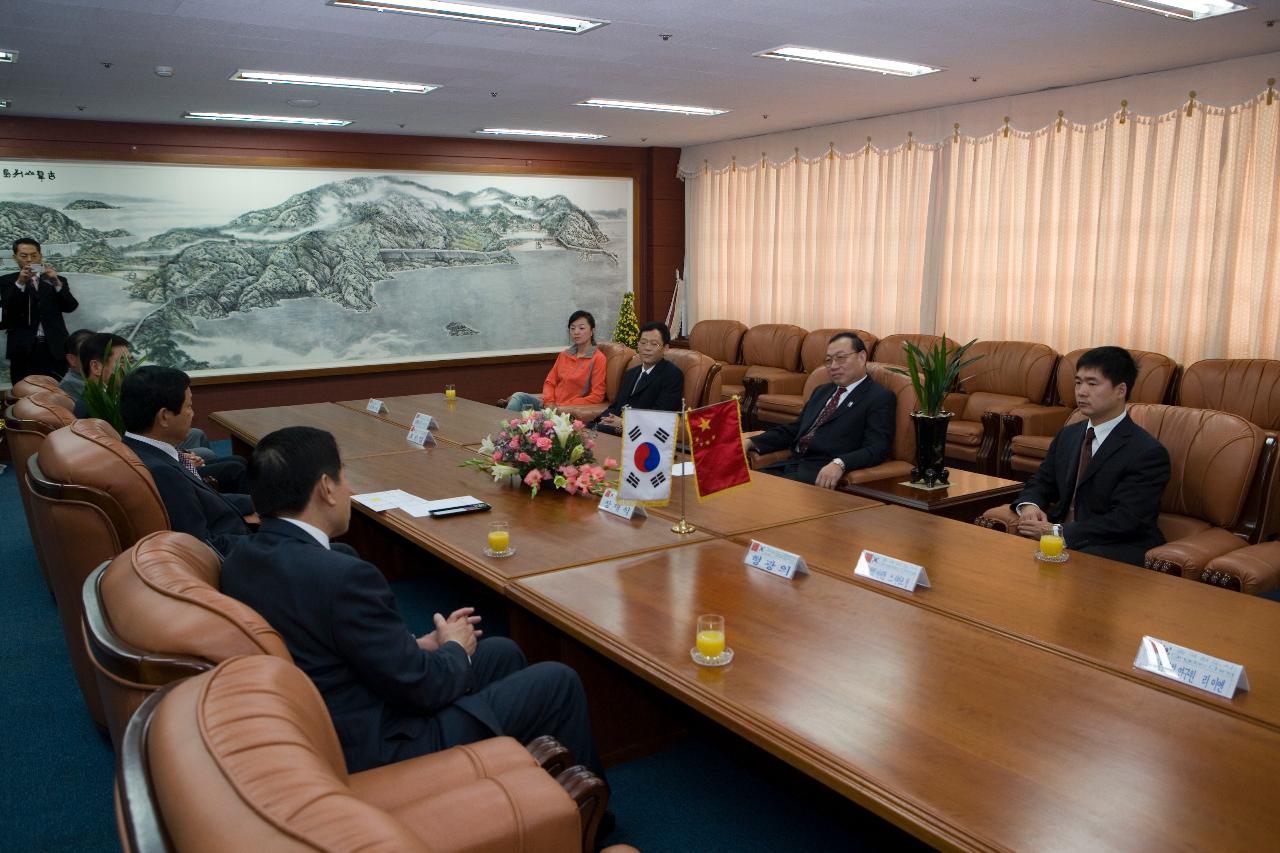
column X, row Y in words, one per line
column 783, row 404
column 1175, row 527
column 980, row 402
column 1031, row 445
column 967, row 433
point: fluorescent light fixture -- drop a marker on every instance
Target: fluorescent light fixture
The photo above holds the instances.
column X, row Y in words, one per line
column 609, row 103
column 555, row 134
column 1187, row 10
column 477, row 14
column 8, row 56
column 243, row 76
column 318, row 122
column 847, row 60
column 3, row 104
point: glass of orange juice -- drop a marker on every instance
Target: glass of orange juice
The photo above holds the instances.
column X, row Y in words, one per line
column 498, row 543
column 450, row 392
column 1052, row 546
column 711, row 650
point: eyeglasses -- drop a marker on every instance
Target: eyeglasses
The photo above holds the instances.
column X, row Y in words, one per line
column 838, row 358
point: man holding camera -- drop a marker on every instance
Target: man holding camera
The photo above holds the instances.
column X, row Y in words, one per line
column 33, row 301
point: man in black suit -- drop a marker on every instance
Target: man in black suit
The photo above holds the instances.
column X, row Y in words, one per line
column 847, row 423
column 654, row 383
column 391, row 695
column 1102, row 478
column 155, row 403
column 34, row 301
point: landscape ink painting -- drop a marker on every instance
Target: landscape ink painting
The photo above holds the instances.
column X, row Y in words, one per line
column 222, row 270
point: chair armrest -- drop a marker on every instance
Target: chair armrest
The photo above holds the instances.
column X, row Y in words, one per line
column 585, row 412
column 954, row 402
column 1189, row 555
column 883, row 471
column 1041, row 420
column 394, row 785
column 733, row 374
column 1253, row 569
column 1001, row 518
column 764, row 460
column 793, row 384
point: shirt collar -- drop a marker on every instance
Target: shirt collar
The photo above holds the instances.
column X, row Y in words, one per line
column 316, row 533
column 847, row 388
column 1102, row 430
column 156, row 443
column 572, row 352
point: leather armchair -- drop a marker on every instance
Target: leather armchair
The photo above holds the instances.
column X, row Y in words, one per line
column 244, row 757
column 154, row 614
column 1026, row 431
column 701, row 376
column 26, row 424
column 30, row 385
column 1249, row 388
column 1010, row 374
column 719, row 339
column 784, row 401
column 889, row 350
column 618, row 357
column 770, row 355
column 91, row 498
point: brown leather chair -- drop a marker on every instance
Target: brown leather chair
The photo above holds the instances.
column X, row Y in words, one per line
column 770, row 355
column 889, row 350
column 783, row 403
column 26, row 423
column 720, row 339
column 618, row 357
column 1027, row 431
column 244, row 757
column 1213, row 457
column 1010, row 374
column 701, row 376
column 154, row 614
column 30, row 385
column 1250, row 388
column 94, row 498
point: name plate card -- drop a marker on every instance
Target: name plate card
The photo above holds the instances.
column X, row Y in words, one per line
column 609, row 503
column 891, row 571
column 424, row 421
column 421, row 437
column 775, row 561
column 1196, row 669
column 376, row 407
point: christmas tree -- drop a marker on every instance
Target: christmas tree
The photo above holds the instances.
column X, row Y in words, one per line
column 628, row 329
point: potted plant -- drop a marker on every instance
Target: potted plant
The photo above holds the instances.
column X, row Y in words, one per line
column 933, row 372
column 102, row 396
column 544, row 449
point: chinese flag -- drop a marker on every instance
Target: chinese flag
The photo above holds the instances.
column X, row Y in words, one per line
column 719, row 459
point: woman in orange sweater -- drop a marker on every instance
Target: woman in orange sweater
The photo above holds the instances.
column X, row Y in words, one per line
column 578, row 375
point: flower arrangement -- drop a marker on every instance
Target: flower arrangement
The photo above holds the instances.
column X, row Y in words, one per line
column 544, row 449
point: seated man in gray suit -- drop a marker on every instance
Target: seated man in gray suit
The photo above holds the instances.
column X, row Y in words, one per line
column 847, row 423
column 156, row 405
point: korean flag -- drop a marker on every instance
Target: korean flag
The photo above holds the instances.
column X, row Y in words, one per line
column 648, row 447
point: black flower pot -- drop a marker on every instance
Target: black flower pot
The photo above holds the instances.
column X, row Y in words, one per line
column 931, row 447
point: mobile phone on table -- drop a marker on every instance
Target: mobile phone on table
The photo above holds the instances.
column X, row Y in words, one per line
column 459, row 510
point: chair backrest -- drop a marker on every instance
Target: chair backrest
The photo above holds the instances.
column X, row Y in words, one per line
column 1248, row 387
column 155, row 614
column 813, row 350
column 889, row 350
column 1156, row 373
column 244, row 757
column 773, row 345
column 91, row 498
column 617, row 357
column 904, row 433
column 1213, row 456
column 720, row 339
column 27, row 422
column 1013, row 368
column 33, row 383
column 699, row 369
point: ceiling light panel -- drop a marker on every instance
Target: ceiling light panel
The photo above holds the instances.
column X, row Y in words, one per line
column 276, row 77
column 316, row 122
column 553, row 134
column 611, row 104
column 475, row 13
column 8, row 56
column 1187, row 10
column 3, row 104
column 797, row 53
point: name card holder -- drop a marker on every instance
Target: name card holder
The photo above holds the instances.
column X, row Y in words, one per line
column 775, row 561
column 424, row 421
column 376, row 407
column 1194, row 669
column 420, row 437
column 891, row 571
column 609, row 503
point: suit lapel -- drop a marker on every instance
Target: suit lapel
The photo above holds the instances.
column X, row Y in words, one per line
column 816, row 403
column 1115, row 442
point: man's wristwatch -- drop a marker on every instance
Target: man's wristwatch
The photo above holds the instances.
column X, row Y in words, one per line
column 838, row 461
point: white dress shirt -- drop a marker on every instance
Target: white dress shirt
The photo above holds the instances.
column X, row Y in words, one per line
column 156, row 443
column 316, row 533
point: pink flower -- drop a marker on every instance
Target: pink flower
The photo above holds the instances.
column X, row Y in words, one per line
column 542, row 442
column 610, row 462
column 591, row 445
column 497, row 456
column 513, row 422
column 577, row 425
column 533, row 478
column 569, row 470
column 515, row 441
column 523, row 457
column 548, row 425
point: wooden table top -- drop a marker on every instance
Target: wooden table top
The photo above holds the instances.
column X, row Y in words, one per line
column 460, row 421
column 357, row 434
column 552, row 531
column 965, row 737
column 1089, row 608
column 964, row 487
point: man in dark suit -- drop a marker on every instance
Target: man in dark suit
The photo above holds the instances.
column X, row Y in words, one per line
column 34, row 301
column 391, row 695
column 155, row 403
column 1102, row 478
column 654, row 383
column 846, row 424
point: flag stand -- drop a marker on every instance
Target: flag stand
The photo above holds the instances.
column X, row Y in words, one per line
column 683, row 527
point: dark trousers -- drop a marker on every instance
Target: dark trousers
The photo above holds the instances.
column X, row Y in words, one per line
column 37, row 361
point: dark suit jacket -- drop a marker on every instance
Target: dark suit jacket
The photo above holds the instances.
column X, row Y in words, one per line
column 23, row 314
column 193, row 506
column 1119, row 493
column 341, row 623
column 860, row 433
column 662, row 389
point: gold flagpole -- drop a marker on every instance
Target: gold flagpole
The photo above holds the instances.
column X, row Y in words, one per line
column 683, row 527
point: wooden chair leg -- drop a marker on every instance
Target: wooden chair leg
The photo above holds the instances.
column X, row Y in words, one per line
column 553, row 756
column 591, row 793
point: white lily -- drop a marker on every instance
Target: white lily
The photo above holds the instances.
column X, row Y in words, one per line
column 487, row 446
column 500, row 472
column 563, row 426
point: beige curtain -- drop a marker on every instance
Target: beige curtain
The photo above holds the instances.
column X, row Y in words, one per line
column 835, row 241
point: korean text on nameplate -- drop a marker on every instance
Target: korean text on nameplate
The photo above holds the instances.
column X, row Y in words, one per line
column 1195, row 669
column 609, row 503
column 891, row 571
column 775, row 561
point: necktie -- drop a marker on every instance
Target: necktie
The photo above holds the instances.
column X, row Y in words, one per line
column 190, row 465
column 1086, row 456
column 802, row 446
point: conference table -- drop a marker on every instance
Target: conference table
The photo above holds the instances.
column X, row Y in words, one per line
column 996, row 709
